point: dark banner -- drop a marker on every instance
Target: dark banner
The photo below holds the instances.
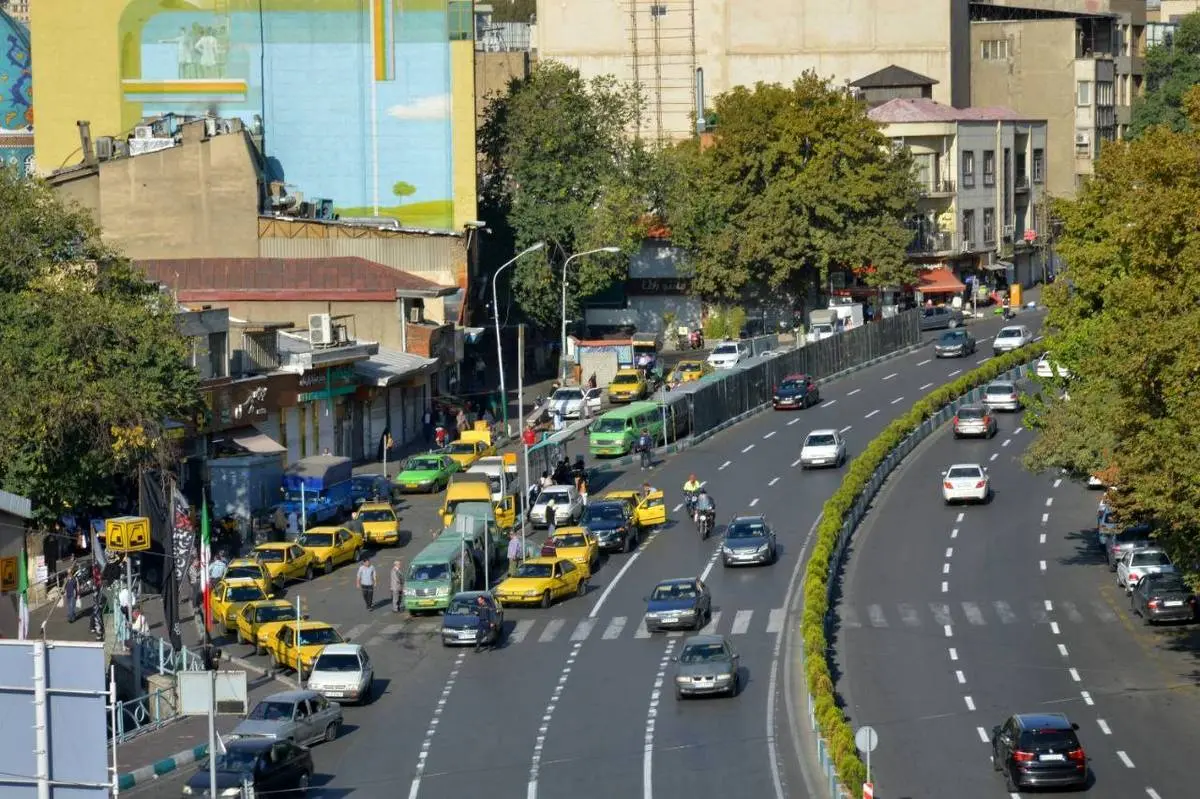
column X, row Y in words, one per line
column 155, row 498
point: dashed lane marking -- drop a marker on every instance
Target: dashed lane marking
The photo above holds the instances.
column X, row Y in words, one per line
column 958, row 519
column 1057, row 482
column 945, row 587
column 1075, row 674
column 852, row 393
column 677, row 508
column 1124, row 758
column 774, row 480
column 1006, row 442
column 754, row 502
column 1054, row 628
column 994, row 456
column 1153, row 794
column 962, row 678
column 1042, row 565
column 872, row 413
column 768, row 435
column 897, row 399
column 795, row 463
column 747, row 448
column 1087, row 698
column 775, row 622
column 927, row 360
column 794, row 421
column 1041, row 538
column 954, row 654
column 970, row 702
column 847, row 428
column 723, row 466
column 983, row 736
column 1049, row 501
column 927, row 385
column 983, row 360
column 427, row 742
column 945, row 568
column 1062, row 650
column 827, row 404
column 1103, row 725
column 1045, row 518
column 889, row 377
column 955, row 372
column 614, row 628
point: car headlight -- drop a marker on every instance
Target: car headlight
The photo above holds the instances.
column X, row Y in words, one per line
column 681, row 680
column 442, row 592
column 776, row 398
column 187, row 790
column 763, row 547
column 725, row 550
column 531, row 592
column 234, row 791
column 724, row 677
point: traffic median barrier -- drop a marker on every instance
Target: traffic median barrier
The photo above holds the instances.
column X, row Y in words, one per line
column 839, row 516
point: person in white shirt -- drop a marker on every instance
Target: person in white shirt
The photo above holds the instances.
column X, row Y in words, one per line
column 217, row 569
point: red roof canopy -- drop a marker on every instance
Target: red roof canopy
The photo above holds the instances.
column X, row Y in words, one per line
column 940, row 281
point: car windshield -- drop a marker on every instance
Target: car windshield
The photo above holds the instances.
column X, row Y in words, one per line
column 603, row 512
column 609, row 426
column 462, row 448
column 276, row 613
column 547, row 494
column 822, row 440
column 252, row 572
column 971, row 413
column 316, row 540
column 243, row 593
column 1166, row 584
column 1150, row 559
column 237, row 760
column 965, row 473
column 430, row 571
column 463, row 607
column 791, row 385
column 376, row 516
column 1009, row 332
column 703, row 653
column 674, row 591
column 1049, row 739
column 270, row 555
column 726, row 349
column 624, row 379
column 745, row 530
column 342, row 661
column 535, row 570
column 271, row 710
column 953, row 337
column 422, row 465
column 1001, row 388
column 570, row 541
column 320, row 636
column 690, row 366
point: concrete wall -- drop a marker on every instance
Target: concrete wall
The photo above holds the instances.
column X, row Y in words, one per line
column 493, row 72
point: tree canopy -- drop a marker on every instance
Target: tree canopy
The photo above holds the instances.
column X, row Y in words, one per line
column 559, row 166
column 92, row 365
column 1125, row 320
column 795, row 182
column 1171, row 70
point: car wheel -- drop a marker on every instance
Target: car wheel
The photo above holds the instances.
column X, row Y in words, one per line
column 331, row 732
column 328, row 566
column 737, row 684
column 1009, row 784
column 308, row 572
column 678, row 694
column 546, row 599
column 957, row 435
column 582, row 588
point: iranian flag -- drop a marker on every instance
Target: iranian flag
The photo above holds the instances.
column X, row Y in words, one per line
column 205, row 549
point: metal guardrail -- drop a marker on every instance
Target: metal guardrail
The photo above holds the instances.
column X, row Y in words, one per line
column 146, row 713
column 157, row 655
column 837, row 561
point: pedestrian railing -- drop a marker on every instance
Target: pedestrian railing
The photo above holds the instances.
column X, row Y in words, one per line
column 156, row 655
column 146, row 713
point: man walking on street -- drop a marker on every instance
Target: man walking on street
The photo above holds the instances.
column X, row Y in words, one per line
column 71, row 592
column 483, row 628
column 397, row 584
column 365, row 580
column 514, row 553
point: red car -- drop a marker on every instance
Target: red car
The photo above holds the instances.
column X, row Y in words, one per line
column 796, row 391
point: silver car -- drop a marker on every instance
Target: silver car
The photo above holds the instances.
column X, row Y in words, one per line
column 303, row 717
column 974, row 420
column 343, row 672
column 1011, row 338
column 1002, row 395
column 707, row 665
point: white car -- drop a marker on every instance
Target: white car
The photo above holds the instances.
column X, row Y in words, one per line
column 1011, row 338
column 569, row 402
column 823, row 448
column 1137, row 563
column 343, row 672
column 568, row 506
column 965, row 482
column 1047, row 369
column 1002, row 395
column 728, row 354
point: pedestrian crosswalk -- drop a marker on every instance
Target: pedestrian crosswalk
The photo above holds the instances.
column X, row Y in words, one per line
column 539, row 630
column 973, row 614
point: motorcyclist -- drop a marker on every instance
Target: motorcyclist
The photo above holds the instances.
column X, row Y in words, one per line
column 706, row 506
column 690, row 489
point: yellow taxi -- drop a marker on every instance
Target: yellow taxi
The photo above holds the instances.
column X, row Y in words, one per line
column 301, row 642
column 248, row 569
column 627, row 385
column 229, row 596
column 540, row 581
column 469, row 449
column 577, row 545
column 284, row 561
column 687, row 371
column 379, row 522
column 648, row 511
column 257, row 622
column 330, row 546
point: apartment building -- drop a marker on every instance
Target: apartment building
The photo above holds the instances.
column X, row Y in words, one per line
column 1018, row 56
column 1170, row 10
column 983, row 173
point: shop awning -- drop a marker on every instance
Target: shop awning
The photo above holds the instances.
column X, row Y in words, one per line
column 251, row 440
column 940, row 281
column 999, row 266
column 388, row 366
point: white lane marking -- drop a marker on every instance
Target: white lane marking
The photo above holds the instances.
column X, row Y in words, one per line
column 945, row 568
column 747, row 448
column 1017, row 431
column 614, row 628
column 616, row 579
column 958, row 519
column 651, row 720
column 994, row 456
column 520, row 630
column 715, row 620
column 1075, row 675
column 953, row 654
column 970, row 702
column 642, row 631
column 872, row 413
column 1006, row 442
column 889, row 377
column 875, row 612
column 677, row 508
column 1004, row 612
column 927, row 385
column 828, row 403
column 427, row 742
column 954, row 533
column 909, row 615
column 754, row 502
column 1057, row 482
column 1062, row 650
column 583, row 629
column 983, row 736
column 847, row 428
column 927, row 360
column 952, row 374
column 949, row 631
column 1103, row 726
column 973, row 613
column 356, row 631
column 741, row 622
column 1087, row 698
column 795, row 463
column 1045, row 518
column 1054, row 627
column 711, row 562
column 551, row 632
column 945, row 586
column 1049, row 501
column 535, row 763
column 852, row 393
column 962, row 678
column 723, row 466
column 794, row 421
column 775, row 620
column 768, row 435
column 1124, row 758
column 1153, row 794
column 949, row 552
column 897, row 399
column 1042, row 538
column 774, row 480
column 1049, row 605
column 982, row 360
column 1042, row 565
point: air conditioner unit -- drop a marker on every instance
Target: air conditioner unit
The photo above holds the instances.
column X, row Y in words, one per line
column 104, row 148
column 143, row 132
column 320, row 329
column 1082, row 139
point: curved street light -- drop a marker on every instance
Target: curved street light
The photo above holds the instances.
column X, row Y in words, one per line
column 562, row 353
column 496, row 314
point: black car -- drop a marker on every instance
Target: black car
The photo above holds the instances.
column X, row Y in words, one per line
column 1039, row 750
column 272, row 767
column 460, row 623
column 954, row 344
column 682, row 602
column 1163, row 597
column 748, row 540
column 796, row 391
column 940, row 318
column 370, row 488
column 612, row 524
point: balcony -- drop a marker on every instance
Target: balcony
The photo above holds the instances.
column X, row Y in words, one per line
column 937, row 188
column 931, row 243
column 1021, row 183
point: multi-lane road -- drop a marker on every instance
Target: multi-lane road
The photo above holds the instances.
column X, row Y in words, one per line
column 953, row 618
column 578, row 700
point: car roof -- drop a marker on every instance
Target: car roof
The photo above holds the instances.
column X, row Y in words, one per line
column 1043, row 721
column 238, row 582
column 294, row 695
column 1148, row 551
column 275, row 545
column 965, row 466
column 341, row 649
column 376, row 506
column 325, row 529
column 574, row 529
column 972, row 407
column 750, row 519
column 272, row 603
column 825, row 431
column 243, row 562
column 1012, row 329
column 676, row 581
column 796, row 376
column 704, row 639
column 1002, row 383
column 618, row 502
column 546, row 560
column 628, row 369
column 469, row 595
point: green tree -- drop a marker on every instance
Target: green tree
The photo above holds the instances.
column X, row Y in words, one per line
column 558, row 166
column 91, row 363
column 1125, row 320
column 797, row 181
column 513, row 10
column 1171, row 70
column 403, row 189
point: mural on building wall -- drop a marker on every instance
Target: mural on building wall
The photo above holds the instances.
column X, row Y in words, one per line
column 352, row 96
column 16, row 96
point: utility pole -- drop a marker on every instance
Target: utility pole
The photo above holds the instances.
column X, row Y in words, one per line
column 521, row 427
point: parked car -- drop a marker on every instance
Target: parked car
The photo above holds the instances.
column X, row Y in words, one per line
column 1002, row 395
column 613, row 524
column 1163, row 597
column 796, row 391
column 343, row 672
column 940, row 317
column 974, row 420
column 823, row 448
column 1137, row 563
column 1135, row 537
column 1039, row 750
column 708, row 664
column 748, row 540
column 681, row 602
column 954, row 344
column 568, row 506
column 272, row 767
column 965, row 482
column 1011, row 338
column 1046, row 368
column 570, row 401
column 302, row 717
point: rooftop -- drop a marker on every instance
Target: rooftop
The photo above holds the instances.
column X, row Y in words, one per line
column 891, row 77
column 904, row 109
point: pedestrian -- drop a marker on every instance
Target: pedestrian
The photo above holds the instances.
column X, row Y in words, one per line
column 365, row 580
column 140, row 625
column 280, row 521
column 71, row 593
column 293, row 525
column 551, row 517
column 476, row 553
column 545, row 480
column 397, row 584
column 427, row 425
column 125, row 602
column 217, row 569
column 644, row 445
column 483, row 628
column 581, row 485
column 515, row 555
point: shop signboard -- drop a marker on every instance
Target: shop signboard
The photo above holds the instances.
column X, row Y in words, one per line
column 327, row 383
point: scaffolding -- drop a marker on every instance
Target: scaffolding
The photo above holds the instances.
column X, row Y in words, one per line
column 662, row 37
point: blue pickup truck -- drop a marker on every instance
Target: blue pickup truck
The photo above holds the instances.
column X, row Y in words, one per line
column 327, row 488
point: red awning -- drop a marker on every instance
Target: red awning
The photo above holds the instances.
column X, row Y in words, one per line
column 940, row 281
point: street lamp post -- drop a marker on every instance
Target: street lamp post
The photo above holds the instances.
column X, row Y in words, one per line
column 562, row 355
column 496, row 313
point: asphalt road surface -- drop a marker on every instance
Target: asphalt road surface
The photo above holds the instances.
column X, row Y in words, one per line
column 578, row 700
column 953, row 618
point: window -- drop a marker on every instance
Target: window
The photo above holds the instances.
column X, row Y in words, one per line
column 1039, row 165
column 461, row 19
column 989, row 167
column 1104, row 93
column 989, row 225
column 968, row 228
column 1083, row 93
column 1006, row 181
column 994, row 50
column 968, row 169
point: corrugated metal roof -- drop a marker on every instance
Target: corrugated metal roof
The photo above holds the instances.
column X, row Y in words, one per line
column 387, row 366
column 16, row 505
column 904, row 109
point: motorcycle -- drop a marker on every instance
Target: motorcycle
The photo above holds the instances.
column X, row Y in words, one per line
column 689, row 501
column 704, row 522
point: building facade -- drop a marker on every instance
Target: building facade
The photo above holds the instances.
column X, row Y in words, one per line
column 16, row 91
column 983, row 175
column 367, row 105
column 662, row 44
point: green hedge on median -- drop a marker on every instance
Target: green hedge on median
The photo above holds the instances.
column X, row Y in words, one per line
column 830, row 719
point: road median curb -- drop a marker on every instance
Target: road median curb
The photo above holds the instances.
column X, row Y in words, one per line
column 145, row 774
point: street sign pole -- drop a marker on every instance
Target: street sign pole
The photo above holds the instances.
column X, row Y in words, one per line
column 212, row 731
column 866, row 739
column 112, row 699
